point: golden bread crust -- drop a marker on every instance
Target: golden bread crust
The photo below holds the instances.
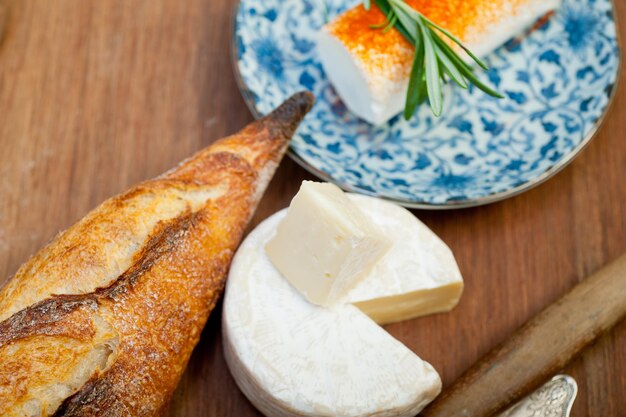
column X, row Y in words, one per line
column 114, row 306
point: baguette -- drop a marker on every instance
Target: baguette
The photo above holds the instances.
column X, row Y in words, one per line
column 102, row 321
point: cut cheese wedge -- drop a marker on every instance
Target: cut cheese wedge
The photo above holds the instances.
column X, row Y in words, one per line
column 418, row 276
column 370, row 69
column 293, row 358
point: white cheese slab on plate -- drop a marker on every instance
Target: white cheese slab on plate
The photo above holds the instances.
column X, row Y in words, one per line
column 370, row 69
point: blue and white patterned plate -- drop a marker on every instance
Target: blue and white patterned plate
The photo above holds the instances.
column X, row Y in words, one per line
column 558, row 82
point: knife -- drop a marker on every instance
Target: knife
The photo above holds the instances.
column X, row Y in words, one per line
column 539, row 348
column 554, row 399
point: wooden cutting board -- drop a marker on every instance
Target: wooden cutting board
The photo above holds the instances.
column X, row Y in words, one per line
column 97, row 95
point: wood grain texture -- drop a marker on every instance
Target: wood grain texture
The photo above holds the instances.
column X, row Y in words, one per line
column 539, row 349
column 96, row 96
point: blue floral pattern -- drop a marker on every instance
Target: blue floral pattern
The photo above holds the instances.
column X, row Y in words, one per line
column 558, row 81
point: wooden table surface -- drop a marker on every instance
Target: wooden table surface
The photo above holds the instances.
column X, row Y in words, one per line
column 98, row 95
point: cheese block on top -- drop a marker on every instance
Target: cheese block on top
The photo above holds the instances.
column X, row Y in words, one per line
column 370, row 69
column 325, row 245
column 293, row 358
column 416, row 277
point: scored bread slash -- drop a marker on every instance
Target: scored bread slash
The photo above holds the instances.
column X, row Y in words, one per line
column 102, row 321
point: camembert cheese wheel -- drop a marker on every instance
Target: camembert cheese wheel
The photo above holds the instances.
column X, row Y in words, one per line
column 293, row 358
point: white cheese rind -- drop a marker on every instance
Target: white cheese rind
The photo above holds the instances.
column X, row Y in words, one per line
column 325, row 245
column 416, row 277
column 292, row 358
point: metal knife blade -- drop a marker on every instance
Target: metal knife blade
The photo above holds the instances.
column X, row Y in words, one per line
column 553, row 399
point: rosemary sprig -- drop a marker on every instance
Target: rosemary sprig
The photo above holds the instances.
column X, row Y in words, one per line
column 434, row 59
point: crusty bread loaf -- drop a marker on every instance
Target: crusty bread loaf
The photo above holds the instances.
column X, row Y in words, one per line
column 102, row 321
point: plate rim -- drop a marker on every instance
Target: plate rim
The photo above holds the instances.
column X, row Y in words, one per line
column 449, row 205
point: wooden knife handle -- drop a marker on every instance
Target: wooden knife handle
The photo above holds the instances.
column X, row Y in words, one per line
column 539, row 349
